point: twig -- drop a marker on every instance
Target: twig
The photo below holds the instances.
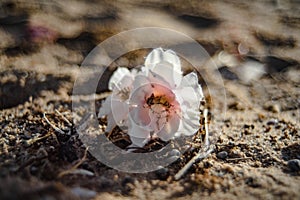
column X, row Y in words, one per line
column 52, row 125
column 199, row 156
column 205, row 113
column 234, row 159
column 92, row 97
column 36, row 139
column 63, row 117
column 74, row 168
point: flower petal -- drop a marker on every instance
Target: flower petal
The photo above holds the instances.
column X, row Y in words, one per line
column 140, row 115
column 139, row 142
column 170, row 128
column 105, row 107
column 121, row 78
column 186, row 96
column 106, row 110
column 189, row 95
column 137, row 131
column 119, row 111
column 158, row 55
column 139, row 81
column 166, row 70
column 191, row 80
column 189, row 123
column 109, row 108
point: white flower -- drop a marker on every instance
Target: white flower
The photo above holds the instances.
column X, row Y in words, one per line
column 155, row 102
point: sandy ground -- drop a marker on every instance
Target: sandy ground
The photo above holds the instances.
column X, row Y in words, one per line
column 256, row 141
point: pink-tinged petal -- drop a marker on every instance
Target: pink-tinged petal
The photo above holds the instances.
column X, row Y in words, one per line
column 121, row 74
column 166, row 70
column 158, row 116
column 140, row 115
column 158, row 55
column 139, row 96
column 134, row 130
column 170, row 128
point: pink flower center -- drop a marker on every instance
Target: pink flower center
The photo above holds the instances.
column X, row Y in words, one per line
column 154, row 106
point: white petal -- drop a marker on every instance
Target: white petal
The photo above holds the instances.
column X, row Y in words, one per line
column 105, row 110
column 158, row 79
column 138, row 142
column 170, row 128
column 120, row 111
column 166, row 70
column 137, row 131
column 187, row 96
column 139, row 81
column 158, row 55
column 191, row 80
column 140, row 115
column 116, row 78
column 189, row 123
column 111, row 123
column 105, row 107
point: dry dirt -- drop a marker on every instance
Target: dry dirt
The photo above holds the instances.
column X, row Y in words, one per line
column 257, row 143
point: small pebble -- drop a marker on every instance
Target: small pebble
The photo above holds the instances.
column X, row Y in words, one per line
column 272, row 122
column 222, row 155
column 83, row 193
column 294, row 165
column 34, row 170
column 127, row 180
column 230, row 143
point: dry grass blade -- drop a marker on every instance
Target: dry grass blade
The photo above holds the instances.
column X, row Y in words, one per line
column 199, row 156
column 52, row 125
column 36, row 139
column 63, row 117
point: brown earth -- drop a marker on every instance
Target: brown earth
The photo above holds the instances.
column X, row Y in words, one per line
column 256, row 142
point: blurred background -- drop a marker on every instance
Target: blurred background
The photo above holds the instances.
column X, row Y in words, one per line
column 53, row 37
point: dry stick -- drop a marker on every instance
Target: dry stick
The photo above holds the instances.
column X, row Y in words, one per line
column 205, row 113
column 52, row 125
column 200, row 155
column 63, row 117
column 92, row 97
column 36, row 139
column 72, row 169
column 235, row 159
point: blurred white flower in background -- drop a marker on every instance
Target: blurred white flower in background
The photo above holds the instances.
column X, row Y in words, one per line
column 157, row 101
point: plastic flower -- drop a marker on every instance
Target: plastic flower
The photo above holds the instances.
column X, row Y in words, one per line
column 157, row 101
